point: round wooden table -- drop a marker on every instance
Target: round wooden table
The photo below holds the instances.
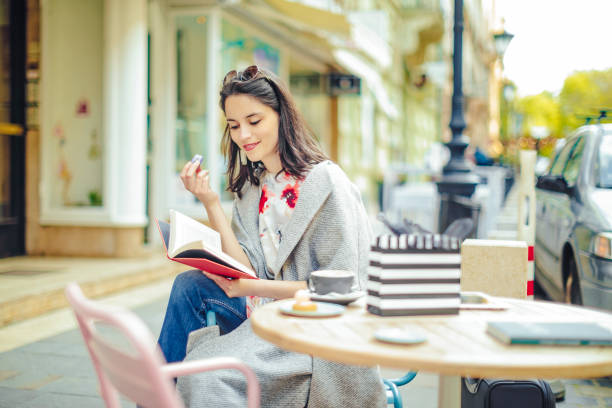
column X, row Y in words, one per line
column 457, row 345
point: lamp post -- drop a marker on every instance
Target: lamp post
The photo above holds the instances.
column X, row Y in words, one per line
column 502, row 40
column 458, row 182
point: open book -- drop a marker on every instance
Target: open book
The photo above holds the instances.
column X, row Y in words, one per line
column 194, row 244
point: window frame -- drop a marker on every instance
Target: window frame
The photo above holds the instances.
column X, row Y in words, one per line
column 568, row 146
column 577, row 149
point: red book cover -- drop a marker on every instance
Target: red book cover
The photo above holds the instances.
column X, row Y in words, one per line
column 200, row 263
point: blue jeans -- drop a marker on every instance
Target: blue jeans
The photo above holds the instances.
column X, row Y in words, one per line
column 192, row 295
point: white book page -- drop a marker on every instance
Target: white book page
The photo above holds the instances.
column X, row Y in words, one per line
column 185, row 230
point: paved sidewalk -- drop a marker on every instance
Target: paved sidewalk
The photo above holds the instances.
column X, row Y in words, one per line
column 56, row 371
column 31, row 286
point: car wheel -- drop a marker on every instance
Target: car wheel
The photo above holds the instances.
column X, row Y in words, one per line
column 572, row 284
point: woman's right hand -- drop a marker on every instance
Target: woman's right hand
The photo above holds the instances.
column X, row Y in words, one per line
column 197, row 182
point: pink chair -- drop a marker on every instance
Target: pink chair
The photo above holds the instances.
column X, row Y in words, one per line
column 139, row 371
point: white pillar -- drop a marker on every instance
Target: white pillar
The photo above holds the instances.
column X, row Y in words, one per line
column 527, row 212
column 125, row 110
column 449, row 391
column 162, row 112
column 213, row 78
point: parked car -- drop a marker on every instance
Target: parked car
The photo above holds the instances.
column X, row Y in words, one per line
column 573, row 254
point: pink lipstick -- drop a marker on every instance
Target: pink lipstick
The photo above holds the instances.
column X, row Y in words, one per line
column 250, row 146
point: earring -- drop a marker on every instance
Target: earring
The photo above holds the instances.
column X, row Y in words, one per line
column 243, row 157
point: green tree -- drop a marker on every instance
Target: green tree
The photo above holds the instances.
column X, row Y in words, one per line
column 541, row 110
column 584, row 93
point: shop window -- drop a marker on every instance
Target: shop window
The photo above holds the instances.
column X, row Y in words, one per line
column 192, row 112
column 309, row 90
column 239, row 49
column 73, row 118
column 351, row 134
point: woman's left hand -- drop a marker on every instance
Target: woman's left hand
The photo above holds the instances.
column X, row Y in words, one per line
column 231, row 287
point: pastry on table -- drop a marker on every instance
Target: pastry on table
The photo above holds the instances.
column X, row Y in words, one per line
column 303, row 303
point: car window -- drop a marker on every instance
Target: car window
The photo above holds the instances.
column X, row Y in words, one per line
column 556, row 169
column 572, row 167
column 603, row 165
column 558, row 146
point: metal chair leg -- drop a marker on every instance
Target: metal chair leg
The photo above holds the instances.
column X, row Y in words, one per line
column 395, row 398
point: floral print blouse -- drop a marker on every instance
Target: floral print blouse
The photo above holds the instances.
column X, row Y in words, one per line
column 279, row 196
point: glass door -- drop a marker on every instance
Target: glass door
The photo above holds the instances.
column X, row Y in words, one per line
column 12, row 120
column 198, row 69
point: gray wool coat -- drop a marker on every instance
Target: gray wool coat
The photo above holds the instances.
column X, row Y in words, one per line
column 328, row 230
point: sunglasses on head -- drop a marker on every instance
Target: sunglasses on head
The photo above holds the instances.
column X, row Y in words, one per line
column 249, row 73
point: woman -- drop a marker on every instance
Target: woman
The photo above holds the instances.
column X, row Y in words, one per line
column 294, row 212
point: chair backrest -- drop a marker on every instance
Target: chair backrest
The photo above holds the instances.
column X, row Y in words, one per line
column 135, row 369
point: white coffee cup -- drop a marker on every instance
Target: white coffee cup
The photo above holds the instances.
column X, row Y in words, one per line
column 327, row 281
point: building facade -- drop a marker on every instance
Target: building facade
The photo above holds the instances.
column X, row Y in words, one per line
column 121, row 94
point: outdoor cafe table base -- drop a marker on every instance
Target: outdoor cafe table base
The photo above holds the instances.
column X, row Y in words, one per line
column 456, row 345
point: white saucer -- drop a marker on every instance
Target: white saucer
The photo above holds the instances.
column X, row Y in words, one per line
column 338, row 298
column 323, row 310
column 397, row 335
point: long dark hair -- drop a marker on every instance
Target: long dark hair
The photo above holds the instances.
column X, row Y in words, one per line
column 297, row 146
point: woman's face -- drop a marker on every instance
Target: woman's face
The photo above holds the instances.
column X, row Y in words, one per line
column 253, row 127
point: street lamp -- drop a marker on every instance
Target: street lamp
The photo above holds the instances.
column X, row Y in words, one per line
column 509, row 91
column 457, row 176
column 502, row 41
